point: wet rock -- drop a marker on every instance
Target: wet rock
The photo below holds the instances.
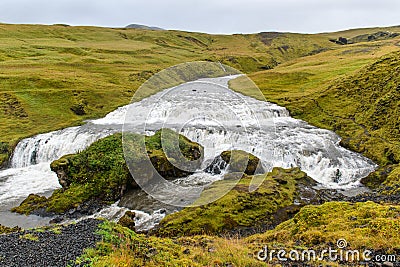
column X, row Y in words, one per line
column 60, row 167
column 236, row 161
column 128, row 220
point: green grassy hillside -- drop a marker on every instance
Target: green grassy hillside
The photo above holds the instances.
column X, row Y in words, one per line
column 57, row 76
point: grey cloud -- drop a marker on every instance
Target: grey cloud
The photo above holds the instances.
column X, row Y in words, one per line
column 208, row 15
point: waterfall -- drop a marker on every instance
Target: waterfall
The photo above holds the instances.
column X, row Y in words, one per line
column 217, row 166
column 51, row 146
column 209, row 113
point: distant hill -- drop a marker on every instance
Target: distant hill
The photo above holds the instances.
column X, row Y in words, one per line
column 144, row 27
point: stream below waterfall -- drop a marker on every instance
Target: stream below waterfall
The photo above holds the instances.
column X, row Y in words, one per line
column 236, row 122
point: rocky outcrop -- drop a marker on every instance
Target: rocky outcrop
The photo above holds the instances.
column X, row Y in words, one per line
column 99, row 175
column 369, row 37
column 235, row 161
column 60, row 167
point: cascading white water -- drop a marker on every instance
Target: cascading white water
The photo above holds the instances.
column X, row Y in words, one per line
column 207, row 112
column 30, row 164
column 270, row 133
column 143, row 221
column 51, row 146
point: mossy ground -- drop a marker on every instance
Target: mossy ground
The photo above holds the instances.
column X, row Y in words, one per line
column 363, row 225
column 367, row 225
column 123, row 247
column 239, row 208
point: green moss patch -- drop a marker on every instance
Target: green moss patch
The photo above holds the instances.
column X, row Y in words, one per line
column 239, row 208
column 241, row 161
column 123, row 247
column 363, row 225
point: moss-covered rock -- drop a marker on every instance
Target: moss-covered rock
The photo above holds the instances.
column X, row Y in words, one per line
column 385, row 182
column 375, row 179
column 236, row 161
column 173, row 155
column 31, row 203
column 5, row 152
column 100, row 174
column 128, row 220
column 281, row 194
column 392, row 183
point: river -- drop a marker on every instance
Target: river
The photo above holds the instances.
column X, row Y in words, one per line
column 206, row 111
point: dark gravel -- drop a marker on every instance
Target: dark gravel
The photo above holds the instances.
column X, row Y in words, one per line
column 51, row 249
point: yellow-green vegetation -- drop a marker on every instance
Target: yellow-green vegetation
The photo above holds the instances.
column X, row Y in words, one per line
column 363, row 225
column 56, row 76
column 239, row 208
column 100, row 172
column 393, row 179
column 56, row 229
column 123, row 247
column 7, row 230
column 241, row 161
column 29, row 236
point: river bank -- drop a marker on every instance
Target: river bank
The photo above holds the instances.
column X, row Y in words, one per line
column 55, row 246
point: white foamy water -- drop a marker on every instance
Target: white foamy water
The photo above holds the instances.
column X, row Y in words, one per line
column 143, row 221
column 206, row 112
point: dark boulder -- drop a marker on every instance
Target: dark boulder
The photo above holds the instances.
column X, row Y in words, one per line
column 236, row 161
column 128, row 220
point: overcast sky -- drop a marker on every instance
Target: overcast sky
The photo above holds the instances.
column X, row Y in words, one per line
column 212, row 16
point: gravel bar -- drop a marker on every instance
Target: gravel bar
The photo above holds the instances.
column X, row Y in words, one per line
column 57, row 247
